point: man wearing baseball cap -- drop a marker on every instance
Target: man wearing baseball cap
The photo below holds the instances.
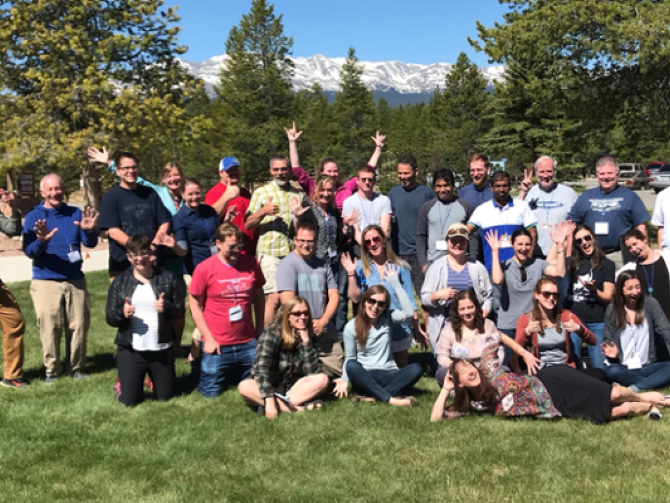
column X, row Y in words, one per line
column 227, row 196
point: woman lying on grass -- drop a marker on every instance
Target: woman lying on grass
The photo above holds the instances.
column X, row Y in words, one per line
column 510, row 395
column 287, row 372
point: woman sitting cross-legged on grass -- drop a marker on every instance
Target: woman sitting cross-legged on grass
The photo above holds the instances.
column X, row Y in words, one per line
column 369, row 363
column 287, row 372
column 631, row 321
column 547, row 328
column 468, row 333
column 141, row 303
column 557, row 393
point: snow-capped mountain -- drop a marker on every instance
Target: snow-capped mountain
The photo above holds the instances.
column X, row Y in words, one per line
column 404, row 78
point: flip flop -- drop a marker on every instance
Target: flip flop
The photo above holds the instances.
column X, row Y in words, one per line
column 313, row 405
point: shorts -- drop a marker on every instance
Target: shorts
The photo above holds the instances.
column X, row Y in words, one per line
column 269, row 265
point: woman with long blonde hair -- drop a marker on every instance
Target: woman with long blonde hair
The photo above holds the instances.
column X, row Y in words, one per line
column 286, row 375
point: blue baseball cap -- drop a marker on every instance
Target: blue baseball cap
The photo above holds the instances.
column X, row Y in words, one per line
column 228, row 162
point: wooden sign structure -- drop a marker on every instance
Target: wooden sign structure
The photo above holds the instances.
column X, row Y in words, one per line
column 27, row 184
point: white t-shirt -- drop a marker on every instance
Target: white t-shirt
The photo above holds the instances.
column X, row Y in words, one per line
column 371, row 210
column 661, row 216
column 144, row 322
column 635, row 342
column 549, row 208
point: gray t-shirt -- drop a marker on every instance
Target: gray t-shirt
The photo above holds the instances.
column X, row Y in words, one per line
column 310, row 279
column 549, row 208
column 551, row 346
column 517, row 295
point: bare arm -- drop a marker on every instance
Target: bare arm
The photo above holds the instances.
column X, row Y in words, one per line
column 118, row 235
column 379, row 144
column 331, row 307
column 533, row 236
column 286, row 295
column 385, row 225
column 231, row 192
column 195, row 303
column 437, row 414
column 642, row 228
column 660, row 238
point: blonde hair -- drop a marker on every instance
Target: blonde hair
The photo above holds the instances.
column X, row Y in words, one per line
column 320, row 182
column 288, row 336
column 390, row 255
column 165, row 171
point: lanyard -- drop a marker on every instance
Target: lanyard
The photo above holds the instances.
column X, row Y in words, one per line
column 203, row 221
column 64, row 227
column 547, row 208
column 650, row 282
column 234, row 284
column 329, row 224
column 446, row 218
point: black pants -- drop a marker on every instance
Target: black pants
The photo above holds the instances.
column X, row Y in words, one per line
column 133, row 366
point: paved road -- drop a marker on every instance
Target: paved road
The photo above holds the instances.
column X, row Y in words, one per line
column 20, row 268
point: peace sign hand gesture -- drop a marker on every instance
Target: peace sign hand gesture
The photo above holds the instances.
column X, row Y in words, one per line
column 527, row 181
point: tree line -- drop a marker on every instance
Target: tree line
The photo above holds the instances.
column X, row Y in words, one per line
column 582, row 79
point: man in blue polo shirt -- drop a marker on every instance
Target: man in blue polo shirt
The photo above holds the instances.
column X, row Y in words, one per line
column 503, row 215
column 610, row 210
column 479, row 191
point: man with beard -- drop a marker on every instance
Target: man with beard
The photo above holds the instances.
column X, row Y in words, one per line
column 227, row 196
column 549, row 200
column 435, row 218
column 270, row 210
column 479, row 191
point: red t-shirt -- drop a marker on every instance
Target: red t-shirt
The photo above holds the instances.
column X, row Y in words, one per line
column 221, row 287
column 250, row 238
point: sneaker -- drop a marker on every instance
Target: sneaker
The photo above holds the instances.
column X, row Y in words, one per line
column 654, row 413
column 21, row 382
column 78, row 374
column 51, row 378
column 148, row 383
column 117, row 388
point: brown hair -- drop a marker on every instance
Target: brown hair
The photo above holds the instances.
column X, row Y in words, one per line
column 485, row 392
column 325, row 161
column 363, row 321
column 479, row 157
column 189, row 181
column 366, row 169
column 618, row 301
column 227, row 230
column 390, row 255
column 455, row 319
column 320, row 182
column 538, row 313
column 165, row 171
column 138, row 243
column 290, row 339
column 596, row 257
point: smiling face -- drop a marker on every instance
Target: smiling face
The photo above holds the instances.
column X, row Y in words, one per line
column 457, row 246
column 406, row 175
column 229, row 249
column 230, row 177
column 373, row 243
column 631, row 291
column 365, row 182
column 637, row 247
column 468, row 375
column 192, row 195
column 173, row 180
column 521, row 247
column 305, row 242
column 141, row 260
column 330, row 169
column 467, row 312
column 584, row 240
column 279, row 172
column 375, row 305
column 444, row 190
column 51, row 189
column 500, row 190
column 545, row 173
column 608, row 177
column 298, row 317
column 547, row 296
column 127, row 171
column 479, row 173
column 326, row 194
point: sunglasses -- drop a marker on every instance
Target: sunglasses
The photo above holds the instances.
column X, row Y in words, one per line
column 524, row 275
column 367, row 180
column 548, row 295
column 298, row 314
column 375, row 240
column 236, row 247
column 587, row 237
column 375, row 302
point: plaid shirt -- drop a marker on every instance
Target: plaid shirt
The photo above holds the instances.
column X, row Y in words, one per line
column 275, row 364
column 273, row 232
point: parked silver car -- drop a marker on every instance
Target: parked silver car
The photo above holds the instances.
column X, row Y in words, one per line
column 661, row 178
column 634, row 180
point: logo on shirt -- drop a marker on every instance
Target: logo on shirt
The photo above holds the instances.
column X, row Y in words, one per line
column 535, row 204
column 605, row 205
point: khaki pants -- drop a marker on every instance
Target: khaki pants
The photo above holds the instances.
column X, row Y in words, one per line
column 330, row 352
column 50, row 299
column 13, row 325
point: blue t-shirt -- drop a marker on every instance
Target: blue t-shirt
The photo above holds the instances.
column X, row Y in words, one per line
column 476, row 197
column 406, row 205
column 617, row 212
column 196, row 229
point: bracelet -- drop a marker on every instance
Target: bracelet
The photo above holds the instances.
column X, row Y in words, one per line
column 560, row 251
column 351, row 275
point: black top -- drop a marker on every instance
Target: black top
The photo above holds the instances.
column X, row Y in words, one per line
column 661, row 292
column 579, row 300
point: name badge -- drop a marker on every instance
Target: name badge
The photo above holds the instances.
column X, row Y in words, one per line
column 74, row 256
column 634, row 363
column 602, row 228
column 506, row 241
column 332, row 252
column 213, row 249
column 235, row 313
column 545, row 225
column 441, row 245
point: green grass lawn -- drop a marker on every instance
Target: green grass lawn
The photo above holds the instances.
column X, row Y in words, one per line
column 73, row 441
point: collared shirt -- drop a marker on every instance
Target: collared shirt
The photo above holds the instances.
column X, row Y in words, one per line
column 273, row 237
column 475, row 196
column 549, row 208
column 195, row 230
column 503, row 219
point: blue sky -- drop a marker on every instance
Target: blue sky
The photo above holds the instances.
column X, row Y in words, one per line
column 412, row 31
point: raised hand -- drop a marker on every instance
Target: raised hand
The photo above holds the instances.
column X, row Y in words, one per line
column 352, row 218
column 270, row 208
column 292, row 134
column 348, row 263
column 379, row 139
column 533, row 327
column 89, row 218
column 527, row 181
column 159, row 305
column 610, row 350
column 389, row 270
column 42, row 231
column 231, row 214
column 232, row 191
column 493, row 240
column 296, row 206
column 572, row 326
column 101, row 156
column 128, row 308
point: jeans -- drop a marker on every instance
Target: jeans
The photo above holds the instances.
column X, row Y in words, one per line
column 650, row 376
column 508, row 351
column 595, row 353
column 217, row 372
column 343, row 307
column 382, row 384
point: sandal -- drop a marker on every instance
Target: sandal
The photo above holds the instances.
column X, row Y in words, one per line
column 412, row 400
column 361, row 398
column 654, row 413
column 313, row 405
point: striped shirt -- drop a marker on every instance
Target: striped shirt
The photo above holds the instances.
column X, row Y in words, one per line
column 144, row 322
column 459, row 280
column 273, row 237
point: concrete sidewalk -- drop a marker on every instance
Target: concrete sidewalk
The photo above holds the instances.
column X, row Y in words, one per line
column 19, row 268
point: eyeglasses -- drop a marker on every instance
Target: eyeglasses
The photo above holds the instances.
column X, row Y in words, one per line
column 587, row 238
column 236, row 247
column 304, row 241
column 548, row 295
column 374, row 240
column 298, row 314
column 142, row 254
column 375, row 302
column 367, row 180
column 126, row 168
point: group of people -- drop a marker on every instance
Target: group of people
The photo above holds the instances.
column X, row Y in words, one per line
column 520, row 301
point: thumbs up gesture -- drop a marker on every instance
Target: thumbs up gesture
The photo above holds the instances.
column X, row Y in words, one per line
column 128, row 308
column 270, row 208
column 160, row 303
